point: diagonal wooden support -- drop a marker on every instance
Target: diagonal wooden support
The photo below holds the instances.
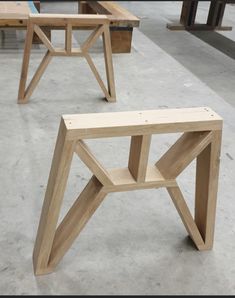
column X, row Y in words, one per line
column 187, row 219
column 100, row 26
column 92, row 38
column 97, row 76
column 44, row 38
column 37, row 76
column 181, row 154
column 79, row 214
column 92, row 163
column 201, row 139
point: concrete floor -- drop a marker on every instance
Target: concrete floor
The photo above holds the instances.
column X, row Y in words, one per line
column 135, row 243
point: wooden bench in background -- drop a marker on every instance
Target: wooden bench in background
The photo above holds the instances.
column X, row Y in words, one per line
column 214, row 19
column 15, row 15
column 122, row 22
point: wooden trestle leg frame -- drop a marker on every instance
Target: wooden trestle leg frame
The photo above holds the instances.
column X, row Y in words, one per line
column 201, row 139
column 100, row 26
column 214, row 19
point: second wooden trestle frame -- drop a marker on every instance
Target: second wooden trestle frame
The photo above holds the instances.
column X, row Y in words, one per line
column 99, row 25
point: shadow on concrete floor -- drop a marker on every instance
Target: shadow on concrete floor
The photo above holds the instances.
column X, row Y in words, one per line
column 218, row 41
column 207, row 64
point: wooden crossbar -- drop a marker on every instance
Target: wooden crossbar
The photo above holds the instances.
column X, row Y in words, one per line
column 95, row 125
column 117, row 14
column 100, row 26
column 54, row 20
column 201, row 140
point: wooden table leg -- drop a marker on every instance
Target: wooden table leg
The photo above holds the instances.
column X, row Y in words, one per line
column 216, row 13
column 207, row 173
column 188, row 13
column 188, row 17
column 53, row 199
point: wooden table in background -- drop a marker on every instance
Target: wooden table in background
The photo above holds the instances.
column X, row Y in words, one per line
column 214, row 19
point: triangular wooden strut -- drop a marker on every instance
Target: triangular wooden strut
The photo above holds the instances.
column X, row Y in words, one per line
column 52, row 243
column 101, row 29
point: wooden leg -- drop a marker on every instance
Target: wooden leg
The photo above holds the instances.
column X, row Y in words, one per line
column 25, row 63
column 188, row 16
column 96, row 74
column 109, row 64
column 188, row 13
column 53, row 199
column 36, row 78
column 186, row 216
column 207, row 173
column 216, row 13
column 205, row 146
column 75, row 220
column 25, row 93
column 121, row 39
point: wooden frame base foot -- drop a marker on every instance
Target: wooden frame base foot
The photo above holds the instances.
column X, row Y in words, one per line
column 197, row 27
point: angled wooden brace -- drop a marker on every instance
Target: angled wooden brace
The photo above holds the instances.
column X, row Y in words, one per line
column 190, row 146
column 100, row 26
column 52, row 242
column 201, row 139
